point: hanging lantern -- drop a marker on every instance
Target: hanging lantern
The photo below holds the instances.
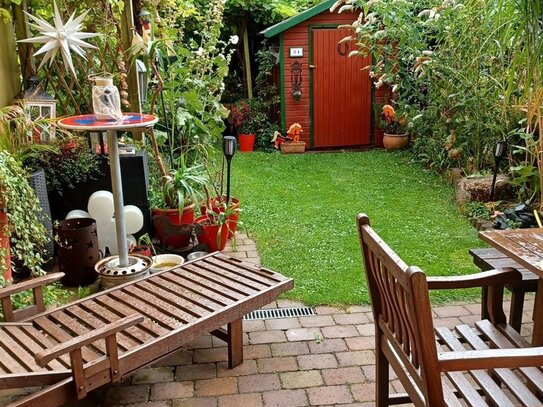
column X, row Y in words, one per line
column 106, row 101
column 38, row 105
column 143, row 80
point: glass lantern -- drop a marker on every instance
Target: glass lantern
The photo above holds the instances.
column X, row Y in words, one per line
column 38, row 104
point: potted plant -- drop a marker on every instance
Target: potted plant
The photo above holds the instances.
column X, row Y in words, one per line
column 216, row 227
column 246, row 125
column 181, row 188
column 395, row 129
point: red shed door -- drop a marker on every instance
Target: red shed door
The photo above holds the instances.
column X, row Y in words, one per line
column 341, row 92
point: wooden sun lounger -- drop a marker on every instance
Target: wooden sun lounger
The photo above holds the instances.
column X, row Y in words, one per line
column 107, row 337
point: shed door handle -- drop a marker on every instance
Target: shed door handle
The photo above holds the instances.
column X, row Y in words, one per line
column 312, row 66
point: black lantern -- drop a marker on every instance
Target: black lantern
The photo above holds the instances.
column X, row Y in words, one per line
column 500, row 151
column 229, row 144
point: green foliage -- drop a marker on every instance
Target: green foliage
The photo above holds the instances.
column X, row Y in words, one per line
column 477, row 210
column 27, row 234
column 301, row 209
column 267, row 12
column 67, row 164
column 184, row 185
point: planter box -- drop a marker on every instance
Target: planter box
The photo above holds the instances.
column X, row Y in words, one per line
column 290, row 147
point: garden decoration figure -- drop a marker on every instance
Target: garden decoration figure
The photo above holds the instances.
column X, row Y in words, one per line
column 101, row 208
column 61, row 36
column 500, row 150
column 294, row 131
column 278, row 139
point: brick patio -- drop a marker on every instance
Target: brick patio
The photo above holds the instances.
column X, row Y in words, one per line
column 324, row 360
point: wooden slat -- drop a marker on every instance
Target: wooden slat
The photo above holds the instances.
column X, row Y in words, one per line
column 46, row 342
column 25, row 361
column 194, row 298
column 509, row 379
column 262, row 275
column 60, row 335
column 191, row 288
column 231, row 274
column 489, row 386
column 76, row 328
column 135, row 332
column 220, row 282
column 219, row 289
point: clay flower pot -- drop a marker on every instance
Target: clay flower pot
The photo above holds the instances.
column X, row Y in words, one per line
column 246, row 142
column 395, row 141
column 166, row 237
column 210, row 234
column 217, row 207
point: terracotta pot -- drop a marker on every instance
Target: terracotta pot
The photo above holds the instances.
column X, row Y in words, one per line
column 143, row 249
column 246, row 142
column 165, row 237
column 4, row 244
column 210, row 232
column 290, row 147
column 395, row 141
column 216, row 207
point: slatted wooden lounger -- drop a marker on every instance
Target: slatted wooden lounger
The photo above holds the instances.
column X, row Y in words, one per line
column 107, row 337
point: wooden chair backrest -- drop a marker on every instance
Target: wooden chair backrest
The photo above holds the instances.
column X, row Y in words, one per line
column 402, row 317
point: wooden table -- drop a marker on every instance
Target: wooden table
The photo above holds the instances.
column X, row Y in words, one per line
column 525, row 246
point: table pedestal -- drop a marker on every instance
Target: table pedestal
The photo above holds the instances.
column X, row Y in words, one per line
column 118, row 201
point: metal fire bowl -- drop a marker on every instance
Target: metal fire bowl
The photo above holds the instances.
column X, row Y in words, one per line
column 110, row 267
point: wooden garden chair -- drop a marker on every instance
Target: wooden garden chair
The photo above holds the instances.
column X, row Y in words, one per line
column 108, row 336
column 485, row 364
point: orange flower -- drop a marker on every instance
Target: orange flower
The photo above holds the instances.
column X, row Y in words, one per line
column 389, row 113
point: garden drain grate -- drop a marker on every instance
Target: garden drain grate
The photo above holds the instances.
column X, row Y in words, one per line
column 273, row 313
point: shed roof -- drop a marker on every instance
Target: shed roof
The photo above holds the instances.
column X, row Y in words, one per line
column 297, row 19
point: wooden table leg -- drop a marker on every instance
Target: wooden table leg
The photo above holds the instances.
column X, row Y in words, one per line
column 537, row 337
column 235, row 343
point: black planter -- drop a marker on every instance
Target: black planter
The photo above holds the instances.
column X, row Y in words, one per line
column 77, row 247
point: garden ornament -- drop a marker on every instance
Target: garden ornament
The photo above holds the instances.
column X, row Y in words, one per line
column 61, row 36
column 294, row 131
column 278, row 139
column 100, row 208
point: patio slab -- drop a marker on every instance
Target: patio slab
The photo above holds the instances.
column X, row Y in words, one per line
column 322, row 360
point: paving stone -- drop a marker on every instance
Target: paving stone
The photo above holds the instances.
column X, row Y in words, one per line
column 366, row 329
column 267, row 337
column 343, row 375
column 194, row 372
column 210, row 355
column 451, row 311
column 241, row 400
column 202, row 342
column 173, row 390
column 300, row 380
column 282, row 323
column 253, row 326
column 277, row 364
column 304, row 334
column 153, row 375
column 358, row 308
column 127, row 394
column 351, row 319
column 325, row 310
column 272, row 304
column 360, row 343
column 284, row 303
column 474, row 309
column 356, row 358
column 316, row 321
column 196, row 402
column 322, row 361
column 256, row 351
column 258, row 383
column 216, row 387
column 183, row 357
column 448, row 322
column 289, row 349
column 328, row 346
column 329, row 395
column 284, row 398
column 162, row 403
column 469, row 319
column 219, row 343
column 339, row 331
column 246, row 368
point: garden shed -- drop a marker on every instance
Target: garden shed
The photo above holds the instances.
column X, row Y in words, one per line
column 323, row 89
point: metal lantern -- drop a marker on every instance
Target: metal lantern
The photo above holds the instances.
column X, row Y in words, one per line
column 228, row 148
column 143, row 79
column 500, row 151
column 39, row 105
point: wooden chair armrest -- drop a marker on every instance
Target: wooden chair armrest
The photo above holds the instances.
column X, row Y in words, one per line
column 29, row 284
column 502, row 276
column 44, row 357
column 490, row 359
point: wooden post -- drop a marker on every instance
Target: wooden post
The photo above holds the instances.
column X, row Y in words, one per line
column 22, row 31
column 247, row 57
column 127, row 22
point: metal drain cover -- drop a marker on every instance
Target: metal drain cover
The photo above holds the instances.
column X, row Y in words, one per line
column 273, row 313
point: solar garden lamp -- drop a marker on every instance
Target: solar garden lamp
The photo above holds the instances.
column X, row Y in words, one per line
column 229, row 149
column 500, row 150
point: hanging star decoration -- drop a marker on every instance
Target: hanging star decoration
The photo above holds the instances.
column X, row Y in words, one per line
column 62, row 36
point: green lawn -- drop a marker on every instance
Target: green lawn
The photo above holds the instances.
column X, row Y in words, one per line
column 301, row 211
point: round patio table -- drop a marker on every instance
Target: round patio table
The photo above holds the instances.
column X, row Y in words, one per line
column 89, row 122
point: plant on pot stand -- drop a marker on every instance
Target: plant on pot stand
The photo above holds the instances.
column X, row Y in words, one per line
column 395, row 128
column 248, row 121
column 181, row 189
column 217, row 227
